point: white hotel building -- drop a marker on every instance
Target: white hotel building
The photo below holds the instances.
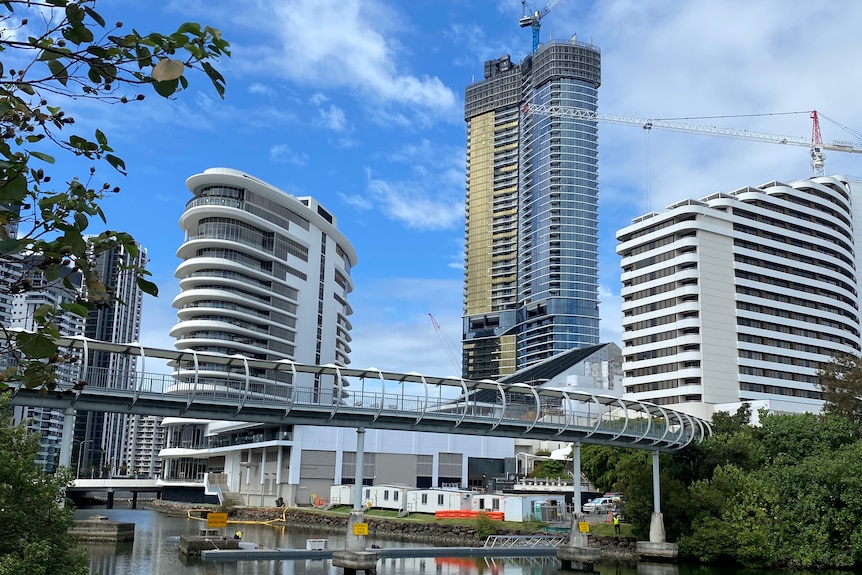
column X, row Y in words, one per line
column 741, row 296
column 266, row 275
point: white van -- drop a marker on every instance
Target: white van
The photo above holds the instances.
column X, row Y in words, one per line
column 601, row 504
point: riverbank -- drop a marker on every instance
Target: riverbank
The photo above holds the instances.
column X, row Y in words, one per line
column 444, row 533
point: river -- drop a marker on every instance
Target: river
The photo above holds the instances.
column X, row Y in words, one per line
column 155, row 550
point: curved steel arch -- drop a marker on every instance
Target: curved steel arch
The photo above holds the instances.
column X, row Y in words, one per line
column 466, row 402
column 291, row 397
column 535, row 393
column 245, row 393
column 425, row 403
column 680, row 429
column 85, row 364
column 565, row 411
column 648, row 419
column 191, row 398
column 336, row 400
column 502, row 398
column 140, row 387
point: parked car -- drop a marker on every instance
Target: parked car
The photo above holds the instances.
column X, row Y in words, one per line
column 602, row 504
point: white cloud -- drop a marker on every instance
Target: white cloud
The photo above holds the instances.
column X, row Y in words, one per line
column 729, row 57
column 261, row 89
column 284, row 154
column 347, row 44
column 332, row 118
column 317, row 98
column 415, row 205
column 392, row 329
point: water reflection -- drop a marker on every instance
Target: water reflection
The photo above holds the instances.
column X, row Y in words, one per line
column 156, row 550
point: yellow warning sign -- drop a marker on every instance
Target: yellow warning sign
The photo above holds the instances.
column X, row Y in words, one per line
column 360, row 528
column 583, row 527
column 216, row 520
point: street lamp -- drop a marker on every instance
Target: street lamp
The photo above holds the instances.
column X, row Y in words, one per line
column 81, row 445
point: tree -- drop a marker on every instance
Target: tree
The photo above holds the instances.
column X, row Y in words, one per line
column 34, row 520
column 840, row 382
column 69, row 52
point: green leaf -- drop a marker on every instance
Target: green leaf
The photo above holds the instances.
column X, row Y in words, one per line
column 117, row 163
column 35, row 345
column 11, row 246
column 190, row 28
column 95, row 16
column 75, row 308
column 58, row 69
column 101, row 138
column 81, row 221
column 166, row 89
column 148, row 287
column 44, row 157
column 13, row 190
column 215, row 77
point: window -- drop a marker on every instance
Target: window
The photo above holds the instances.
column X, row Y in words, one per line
column 424, row 499
column 440, row 499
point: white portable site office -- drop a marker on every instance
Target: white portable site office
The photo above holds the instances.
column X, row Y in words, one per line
column 433, row 500
column 546, row 508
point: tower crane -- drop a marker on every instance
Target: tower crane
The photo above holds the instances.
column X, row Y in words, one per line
column 447, row 344
column 532, row 18
column 815, row 144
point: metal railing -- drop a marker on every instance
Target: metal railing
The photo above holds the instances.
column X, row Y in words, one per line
column 216, row 386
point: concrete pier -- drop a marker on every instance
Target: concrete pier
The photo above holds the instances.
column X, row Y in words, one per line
column 193, row 545
column 100, row 528
column 355, row 557
column 576, row 554
column 657, row 549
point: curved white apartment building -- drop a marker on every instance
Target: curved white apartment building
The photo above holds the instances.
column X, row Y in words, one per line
column 266, row 275
column 740, row 296
column 260, row 267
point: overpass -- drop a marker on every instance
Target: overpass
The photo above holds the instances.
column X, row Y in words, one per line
column 377, row 400
column 230, row 387
column 81, row 487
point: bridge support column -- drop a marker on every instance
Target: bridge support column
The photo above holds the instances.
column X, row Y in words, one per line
column 134, row 499
column 576, row 553
column 66, row 437
column 355, row 557
column 657, row 548
column 110, row 503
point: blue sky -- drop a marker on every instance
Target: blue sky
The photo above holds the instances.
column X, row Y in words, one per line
column 360, row 104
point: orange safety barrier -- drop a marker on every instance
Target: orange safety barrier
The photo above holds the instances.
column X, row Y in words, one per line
column 468, row 514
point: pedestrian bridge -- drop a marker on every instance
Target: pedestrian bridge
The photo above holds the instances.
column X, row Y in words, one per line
column 214, row 386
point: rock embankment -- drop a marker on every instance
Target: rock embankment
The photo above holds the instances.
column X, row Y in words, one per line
column 400, row 530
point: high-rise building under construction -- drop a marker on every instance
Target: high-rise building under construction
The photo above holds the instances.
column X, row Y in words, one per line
column 531, row 253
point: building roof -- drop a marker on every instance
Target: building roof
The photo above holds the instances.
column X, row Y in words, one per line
column 553, row 366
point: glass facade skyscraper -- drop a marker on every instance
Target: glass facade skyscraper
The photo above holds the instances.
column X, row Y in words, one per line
column 531, row 254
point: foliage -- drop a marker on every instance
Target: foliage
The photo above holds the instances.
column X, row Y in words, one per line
column 785, row 494
column 840, row 382
column 796, row 502
column 732, row 519
column 485, row 526
column 33, row 519
column 599, row 464
column 550, row 469
column 68, row 53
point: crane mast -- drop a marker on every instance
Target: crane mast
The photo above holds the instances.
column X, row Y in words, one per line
column 447, row 344
column 532, row 18
column 815, row 144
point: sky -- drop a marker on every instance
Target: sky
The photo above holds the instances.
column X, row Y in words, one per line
column 359, row 103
